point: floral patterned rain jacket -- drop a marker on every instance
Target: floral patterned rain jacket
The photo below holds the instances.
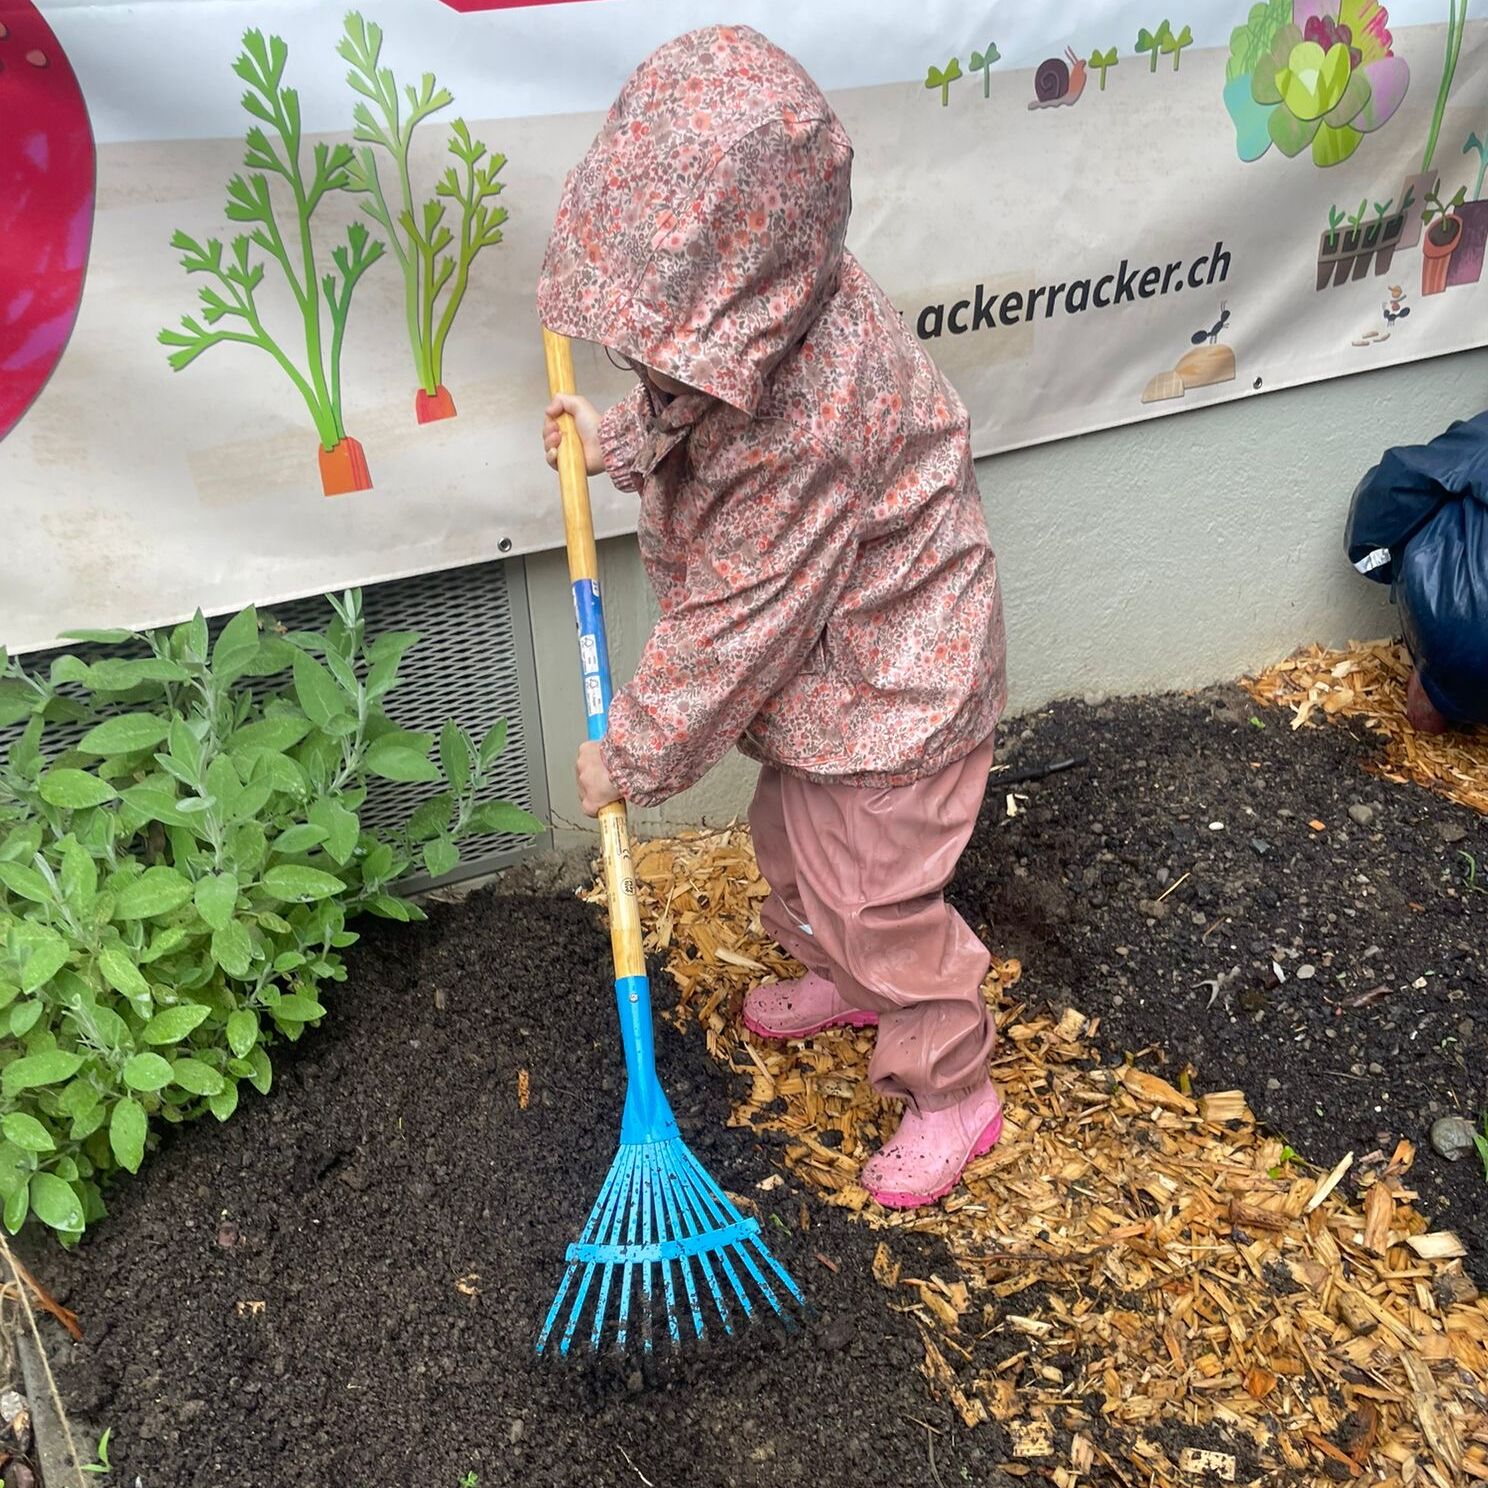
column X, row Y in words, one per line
column 809, row 516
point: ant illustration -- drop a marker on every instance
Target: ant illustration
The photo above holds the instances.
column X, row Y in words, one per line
column 1212, row 334
column 1393, row 307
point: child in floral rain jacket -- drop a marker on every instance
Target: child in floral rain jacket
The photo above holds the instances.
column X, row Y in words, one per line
column 811, row 523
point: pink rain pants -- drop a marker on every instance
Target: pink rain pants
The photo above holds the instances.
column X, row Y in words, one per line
column 857, row 877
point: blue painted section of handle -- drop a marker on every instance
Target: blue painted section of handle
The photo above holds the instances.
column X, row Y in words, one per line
column 647, row 1117
column 594, row 655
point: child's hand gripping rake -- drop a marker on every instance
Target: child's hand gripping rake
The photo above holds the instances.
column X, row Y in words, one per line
column 660, row 1223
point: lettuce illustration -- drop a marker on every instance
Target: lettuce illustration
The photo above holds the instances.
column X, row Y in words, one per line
column 1312, row 73
column 1252, row 41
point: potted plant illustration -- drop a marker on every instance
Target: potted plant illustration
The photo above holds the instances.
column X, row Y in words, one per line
column 231, row 311
column 1103, row 62
column 1332, row 266
column 1466, row 265
column 435, row 262
column 1373, row 233
column 1391, row 228
column 1441, row 240
column 1427, row 180
column 1353, row 239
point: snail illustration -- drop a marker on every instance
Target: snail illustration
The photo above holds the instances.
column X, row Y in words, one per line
column 1057, row 83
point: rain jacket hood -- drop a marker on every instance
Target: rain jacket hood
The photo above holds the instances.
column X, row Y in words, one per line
column 703, row 232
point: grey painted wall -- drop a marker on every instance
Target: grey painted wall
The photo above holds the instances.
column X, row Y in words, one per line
column 1167, row 555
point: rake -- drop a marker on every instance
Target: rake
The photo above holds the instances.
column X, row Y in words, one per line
column 662, row 1234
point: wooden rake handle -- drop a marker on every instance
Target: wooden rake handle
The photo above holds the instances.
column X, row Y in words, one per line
column 583, row 572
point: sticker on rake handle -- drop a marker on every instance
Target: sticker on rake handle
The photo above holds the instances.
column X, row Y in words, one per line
column 594, row 659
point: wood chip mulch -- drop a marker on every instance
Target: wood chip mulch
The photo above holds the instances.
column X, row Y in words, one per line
column 1367, row 681
column 1149, row 1290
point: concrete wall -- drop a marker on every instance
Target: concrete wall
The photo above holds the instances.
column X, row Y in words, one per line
column 1167, row 555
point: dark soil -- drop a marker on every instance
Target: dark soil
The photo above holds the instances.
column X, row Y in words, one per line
column 1376, row 903
column 392, row 1163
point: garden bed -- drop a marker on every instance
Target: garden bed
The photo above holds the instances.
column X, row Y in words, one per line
column 1122, row 896
column 339, row 1288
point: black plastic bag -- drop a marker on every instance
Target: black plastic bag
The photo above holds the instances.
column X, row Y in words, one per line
column 1419, row 522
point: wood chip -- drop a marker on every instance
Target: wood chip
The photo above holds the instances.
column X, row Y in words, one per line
column 1379, row 1211
column 1330, row 1182
column 885, row 1268
column 1200, row 1462
column 1031, row 1438
column 524, row 1090
column 1225, row 1105
column 1259, row 1383
column 1359, row 1318
column 1082, row 1453
column 1150, row 1089
column 1256, row 1217
column 1437, row 1429
column 1441, row 1245
column 1359, row 1431
column 1328, row 1450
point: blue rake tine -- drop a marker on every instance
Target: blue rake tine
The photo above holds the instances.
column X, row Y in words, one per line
column 626, row 1159
column 781, row 1273
column 609, row 1234
column 684, row 1262
column 591, row 1225
column 627, row 1273
column 648, row 1298
column 657, row 1216
column 696, row 1228
column 701, row 1203
column 656, row 1191
column 611, row 1192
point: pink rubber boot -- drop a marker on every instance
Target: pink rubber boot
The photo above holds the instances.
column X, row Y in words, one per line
column 923, row 1160
column 796, row 1010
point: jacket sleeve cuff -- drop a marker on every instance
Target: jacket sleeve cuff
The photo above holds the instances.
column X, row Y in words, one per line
column 626, row 762
column 621, row 432
column 631, row 787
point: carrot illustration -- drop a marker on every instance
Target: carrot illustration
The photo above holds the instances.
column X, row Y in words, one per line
column 435, row 263
column 230, row 311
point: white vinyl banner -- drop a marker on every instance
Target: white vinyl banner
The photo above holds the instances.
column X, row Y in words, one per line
column 267, row 266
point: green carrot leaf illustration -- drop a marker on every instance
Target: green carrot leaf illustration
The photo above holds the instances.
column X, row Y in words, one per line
column 434, row 256
column 230, row 312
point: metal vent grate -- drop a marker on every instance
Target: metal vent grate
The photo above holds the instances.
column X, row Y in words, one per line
column 473, row 663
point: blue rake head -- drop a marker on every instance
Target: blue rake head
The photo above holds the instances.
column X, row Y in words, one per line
column 663, row 1237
